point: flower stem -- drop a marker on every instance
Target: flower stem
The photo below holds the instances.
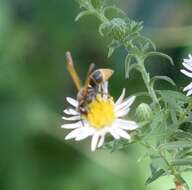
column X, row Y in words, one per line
column 146, row 79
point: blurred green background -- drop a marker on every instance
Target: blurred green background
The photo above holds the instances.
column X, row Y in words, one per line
column 34, row 36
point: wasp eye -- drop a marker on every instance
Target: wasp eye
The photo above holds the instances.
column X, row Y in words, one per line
column 97, row 76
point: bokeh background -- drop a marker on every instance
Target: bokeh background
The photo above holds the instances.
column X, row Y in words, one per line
column 34, row 36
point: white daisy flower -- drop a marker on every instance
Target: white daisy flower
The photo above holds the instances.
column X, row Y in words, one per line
column 103, row 117
column 187, row 63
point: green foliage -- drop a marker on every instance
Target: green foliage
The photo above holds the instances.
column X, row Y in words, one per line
column 165, row 78
column 155, row 174
column 165, row 130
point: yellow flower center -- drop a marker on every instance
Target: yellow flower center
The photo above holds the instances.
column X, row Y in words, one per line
column 100, row 112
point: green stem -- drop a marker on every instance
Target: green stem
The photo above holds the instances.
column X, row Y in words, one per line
column 159, row 152
column 146, row 79
column 100, row 16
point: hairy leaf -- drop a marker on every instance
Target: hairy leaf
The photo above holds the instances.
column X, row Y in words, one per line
column 169, row 80
column 182, row 162
column 83, row 13
column 176, row 145
column 155, row 175
column 129, row 65
column 154, row 53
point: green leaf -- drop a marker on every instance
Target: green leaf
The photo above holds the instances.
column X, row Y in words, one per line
column 166, row 94
column 112, row 46
column 183, row 135
column 185, row 153
column 136, row 27
column 166, row 78
column 102, row 27
column 129, row 65
column 182, row 162
column 83, row 13
column 148, row 41
column 172, row 100
column 155, row 175
column 176, row 145
column 116, row 9
column 154, row 53
column 97, row 4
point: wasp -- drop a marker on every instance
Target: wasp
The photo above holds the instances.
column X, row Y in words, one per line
column 92, row 84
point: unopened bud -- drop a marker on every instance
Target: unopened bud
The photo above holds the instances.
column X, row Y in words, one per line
column 117, row 27
column 143, row 112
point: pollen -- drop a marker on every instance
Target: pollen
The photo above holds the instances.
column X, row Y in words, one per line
column 100, row 112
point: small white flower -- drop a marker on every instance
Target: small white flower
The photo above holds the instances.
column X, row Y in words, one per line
column 103, row 116
column 187, row 63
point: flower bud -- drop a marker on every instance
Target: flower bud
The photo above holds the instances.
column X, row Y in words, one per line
column 143, row 112
column 117, row 28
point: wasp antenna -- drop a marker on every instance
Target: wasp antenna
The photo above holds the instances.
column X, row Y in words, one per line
column 72, row 71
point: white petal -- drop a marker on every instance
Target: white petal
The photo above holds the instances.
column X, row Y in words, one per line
column 125, row 124
column 71, row 112
column 120, row 99
column 126, row 103
column 190, row 56
column 122, row 133
column 101, row 141
column 121, row 113
column 187, row 66
column 189, row 92
column 188, row 87
column 84, row 133
column 189, row 61
column 103, row 131
column 94, row 142
column 72, row 101
column 73, row 118
column 73, row 134
column 73, row 125
column 114, row 134
column 186, row 73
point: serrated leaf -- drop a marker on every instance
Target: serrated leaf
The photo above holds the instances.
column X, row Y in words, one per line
column 165, row 78
column 182, row 162
column 156, row 174
column 175, row 145
column 83, row 13
column 154, row 53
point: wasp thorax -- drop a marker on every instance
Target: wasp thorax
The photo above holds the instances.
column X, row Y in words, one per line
column 100, row 75
column 97, row 77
